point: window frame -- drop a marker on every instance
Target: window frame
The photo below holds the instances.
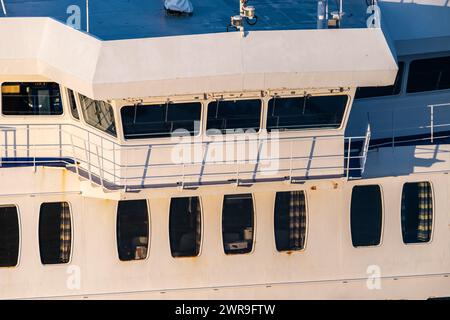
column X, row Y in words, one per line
column 254, row 216
column 19, row 222
column 200, row 251
column 107, row 134
column 32, row 116
column 155, row 103
column 149, row 229
column 434, row 214
column 262, row 120
column 77, row 103
column 71, row 236
column 383, row 217
column 342, row 125
column 413, row 58
column 290, row 252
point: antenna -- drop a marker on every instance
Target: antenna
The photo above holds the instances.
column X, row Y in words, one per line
column 4, row 8
column 245, row 12
column 87, row 16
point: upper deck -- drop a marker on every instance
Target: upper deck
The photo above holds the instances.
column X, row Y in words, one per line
column 129, row 19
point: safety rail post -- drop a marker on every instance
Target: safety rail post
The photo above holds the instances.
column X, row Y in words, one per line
column 126, row 175
column 74, row 158
column 183, row 175
column 87, row 155
column 291, row 160
column 114, row 164
column 100, row 169
column 366, row 148
column 431, row 122
column 348, row 156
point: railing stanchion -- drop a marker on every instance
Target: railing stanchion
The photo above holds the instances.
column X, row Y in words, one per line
column 291, row 161
column 432, row 122
column 348, row 156
column 100, row 168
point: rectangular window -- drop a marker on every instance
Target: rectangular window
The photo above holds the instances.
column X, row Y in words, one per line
column 366, row 216
column 372, row 92
column 31, row 98
column 237, row 223
column 9, row 236
column 429, row 75
column 98, row 114
column 290, row 220
column 310, row 112
column 417, row 212
column 55, row 233
column 233, row 116
column 162, row 120
column 73, row 104
column 132, row 230
column 185, row 227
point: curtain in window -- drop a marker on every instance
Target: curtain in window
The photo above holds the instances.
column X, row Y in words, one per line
column 297, row 217
column 194, row 208
column 425, row 211
column 65, row 233
column 198, row 231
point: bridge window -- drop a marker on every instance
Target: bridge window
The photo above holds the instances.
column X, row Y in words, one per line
column 372, row 92
column 55, row 233
column 320, row 112
column 73, row 104
column 161, row 120
column 132, row 230
column 185, row 227
column 237, row 223
column 98, row 114
column 417, row 212
column 366, row 215
column 290, row 220
column 233, row 116
column 31, row 98
column 9, row 236
column 429, row 74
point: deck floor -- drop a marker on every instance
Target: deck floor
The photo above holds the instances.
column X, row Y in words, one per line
column 126, row 19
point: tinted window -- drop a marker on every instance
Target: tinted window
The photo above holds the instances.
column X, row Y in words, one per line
column 230, row 116
column 98, row 114
column 237, row 223
column 429, row 74
column 157, row 121
column 132, row 230
column 371, row 92
column 290, row 220
column 31, row 98
column 185, row 227
column 55, row 233
column 73, row 104
column 306, row 112
column 417, row 212
column 366, row 216
column 9, row 236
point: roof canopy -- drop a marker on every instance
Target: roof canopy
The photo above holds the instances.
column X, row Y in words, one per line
column 194, row 64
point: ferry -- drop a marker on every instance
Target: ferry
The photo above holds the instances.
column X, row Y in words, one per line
column 226, row 149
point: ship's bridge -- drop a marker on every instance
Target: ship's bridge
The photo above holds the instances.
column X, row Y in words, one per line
column 187, row 109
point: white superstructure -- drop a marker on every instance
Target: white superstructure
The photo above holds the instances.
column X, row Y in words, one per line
column 215, row 166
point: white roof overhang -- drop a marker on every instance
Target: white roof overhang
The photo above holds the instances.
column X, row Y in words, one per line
column 194, row 64
column 417, row 26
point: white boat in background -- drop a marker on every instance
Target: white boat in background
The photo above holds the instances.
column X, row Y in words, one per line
column 245, row 150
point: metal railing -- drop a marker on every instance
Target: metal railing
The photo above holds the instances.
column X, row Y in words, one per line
column 428, row 129
column 111, row 165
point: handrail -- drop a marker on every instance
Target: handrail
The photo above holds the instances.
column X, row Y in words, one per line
column 96, row 156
